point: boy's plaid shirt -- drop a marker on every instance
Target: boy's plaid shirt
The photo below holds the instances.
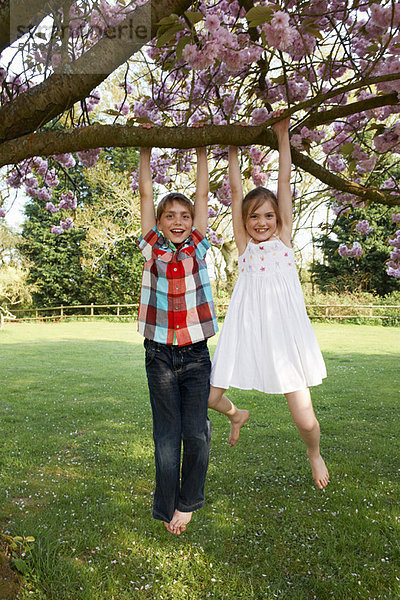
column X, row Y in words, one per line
column 176, row 305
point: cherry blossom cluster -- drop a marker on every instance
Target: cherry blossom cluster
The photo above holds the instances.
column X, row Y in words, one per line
column 214, row 238
column 2, row 213
column 27, row 175
column 355, row 251
column 364, row 227
column 393, row 265
column 64, row 226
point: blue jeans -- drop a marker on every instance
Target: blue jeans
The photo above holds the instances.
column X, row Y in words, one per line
column 179, row 385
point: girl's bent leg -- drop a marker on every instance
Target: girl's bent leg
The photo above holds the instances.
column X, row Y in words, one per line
column 302, row 411
column 238, row 417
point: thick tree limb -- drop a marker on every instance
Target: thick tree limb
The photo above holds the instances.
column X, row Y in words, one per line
column 327, row 116
column 59, row 92
column 57, row 142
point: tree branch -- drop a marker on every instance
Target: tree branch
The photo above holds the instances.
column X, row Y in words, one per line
column 327, row 116
column 57, row 142
column 42, row 103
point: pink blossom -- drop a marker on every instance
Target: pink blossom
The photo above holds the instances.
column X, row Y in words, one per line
column 88, row 158
column 301, row 45
column 223, row 193
column 51, row 178
column 396, row 217
column 363, row 227
column 68, row 201
column 65, row 159
column 381, row 16
column 296, row 140
column 212, row 23
column 256, row 155
column 92, row 101
column 212, row 212
column 122, row 107
column 67, row 224
column 50, row 207
column 283, row 39
column 339, row 209
column 44, row 193
column 395, row 241
column 259, row 116
column 368, row 165
column 40, row 165
column 2, row 213
column 195, row 58
column 280, row 20
column 258, row 176
column 387, row 141
column 355, row 251
column 336, row 163
column 14, row 179
column 393, row 272
column 134, row 182
column 215, row 239
column 57, row 230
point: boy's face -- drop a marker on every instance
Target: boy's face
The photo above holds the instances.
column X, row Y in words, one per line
column 175, row 222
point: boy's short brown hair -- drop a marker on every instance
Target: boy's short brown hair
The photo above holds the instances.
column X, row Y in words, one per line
column 255, row 198
column 164, row 202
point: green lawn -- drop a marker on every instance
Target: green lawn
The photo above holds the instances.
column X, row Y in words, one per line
column 77, row 473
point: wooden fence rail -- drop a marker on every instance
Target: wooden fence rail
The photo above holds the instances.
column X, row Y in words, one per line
column 315, row 311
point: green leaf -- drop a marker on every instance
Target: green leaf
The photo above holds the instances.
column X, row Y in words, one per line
column 259, row 15
column 278, row 80
column 170, row 20
column 214, row 185
column 314, row 31
column 194, row 17
column 141, row 120
column 352, row 166
column 164, row 38
column 30, row 539
column 20, row 565
column 180, row 46
column 347, row 149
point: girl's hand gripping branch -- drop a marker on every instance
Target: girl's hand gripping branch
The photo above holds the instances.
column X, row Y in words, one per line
column 281, row 129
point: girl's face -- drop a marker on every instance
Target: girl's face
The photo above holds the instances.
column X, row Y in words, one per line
column 262, row 222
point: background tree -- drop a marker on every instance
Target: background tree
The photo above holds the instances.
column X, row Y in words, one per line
column 342, row 274
column 98, row 261
column 14, row 289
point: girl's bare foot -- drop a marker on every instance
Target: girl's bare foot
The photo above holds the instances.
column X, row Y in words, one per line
column 179, row 521
column 319, row 471
column 237, row 421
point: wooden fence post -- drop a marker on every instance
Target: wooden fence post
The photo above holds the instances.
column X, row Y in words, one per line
column 91, row 310
column 61, row 311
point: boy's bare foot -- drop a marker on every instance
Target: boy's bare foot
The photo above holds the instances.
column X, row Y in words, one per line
column 237, row 421
column 319, row 471
column 179, row 521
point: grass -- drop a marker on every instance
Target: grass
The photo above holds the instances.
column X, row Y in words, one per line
column 76, row 458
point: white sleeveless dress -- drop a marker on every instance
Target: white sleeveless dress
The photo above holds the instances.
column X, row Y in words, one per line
column 267, row 342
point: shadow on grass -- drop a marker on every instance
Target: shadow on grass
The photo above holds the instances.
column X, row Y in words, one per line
column 77, row 473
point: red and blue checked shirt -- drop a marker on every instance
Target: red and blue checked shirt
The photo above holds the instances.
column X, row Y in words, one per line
column 176, row 305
